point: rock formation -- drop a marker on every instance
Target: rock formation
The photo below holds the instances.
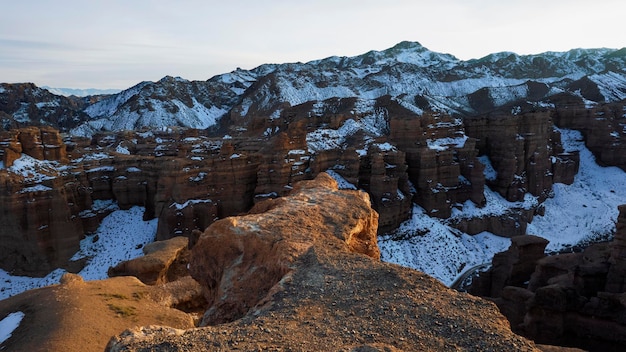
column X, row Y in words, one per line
column 78, row 315
column 296, row 273
column 162, row 262
column 188, row 179
column 601, row 125
column 524, row 150
column 564, row 299
column 512, row 267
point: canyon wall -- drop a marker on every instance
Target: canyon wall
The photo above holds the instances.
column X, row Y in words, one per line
column 59, row 190
column 572, row 299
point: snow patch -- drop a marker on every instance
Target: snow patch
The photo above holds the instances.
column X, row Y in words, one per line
column 33, row 170
column 342, row 183
column 490, row 172
column 447, row 142
column 431, row 246
column 586, row 209
column 179, row 206
column 121, row 236
column 36, row 188
column 122, row 150
column 9, row 324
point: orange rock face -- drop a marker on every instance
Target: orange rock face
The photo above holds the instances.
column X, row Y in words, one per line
column 239, row 259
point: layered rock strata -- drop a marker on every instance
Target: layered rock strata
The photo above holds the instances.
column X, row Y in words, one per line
column 602, row 125
column 525, row 152
column 566, row 299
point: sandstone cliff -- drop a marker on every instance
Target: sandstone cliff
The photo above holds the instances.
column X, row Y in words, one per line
column 187, row 179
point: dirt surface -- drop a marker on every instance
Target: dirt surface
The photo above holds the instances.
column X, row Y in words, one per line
column 348, row 303
column 82, row 316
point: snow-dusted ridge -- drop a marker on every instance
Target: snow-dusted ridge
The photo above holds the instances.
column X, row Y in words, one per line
column 404, row 71
column 78, row 92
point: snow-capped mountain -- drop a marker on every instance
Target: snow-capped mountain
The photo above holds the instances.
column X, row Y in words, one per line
column 421, row 79
column 414, row 128
column 418, row 78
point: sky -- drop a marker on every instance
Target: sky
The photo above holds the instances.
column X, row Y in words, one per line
column 119, row 43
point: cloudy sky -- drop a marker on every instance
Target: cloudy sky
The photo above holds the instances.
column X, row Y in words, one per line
column 118, row 43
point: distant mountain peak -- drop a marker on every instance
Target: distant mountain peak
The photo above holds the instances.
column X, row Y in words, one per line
column 80, row 92
column 404, row 45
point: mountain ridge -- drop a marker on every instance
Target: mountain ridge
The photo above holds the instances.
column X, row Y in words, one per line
column 407, row 70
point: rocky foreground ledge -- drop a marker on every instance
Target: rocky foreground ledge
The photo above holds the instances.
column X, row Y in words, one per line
column 302, row 273
column 297, row 273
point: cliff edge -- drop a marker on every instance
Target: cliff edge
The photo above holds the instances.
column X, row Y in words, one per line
column 302, row 272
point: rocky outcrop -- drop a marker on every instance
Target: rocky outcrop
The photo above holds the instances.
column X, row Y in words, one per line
column 564, row 299
column 524, row 150
column 51, row 197
column 441, row 160
column 162, row 262
column 43, row 143
column 616, row 277
column 512, row 267
column 40, row 202
column 600, row 124
column 300, row 272
column 259, row 249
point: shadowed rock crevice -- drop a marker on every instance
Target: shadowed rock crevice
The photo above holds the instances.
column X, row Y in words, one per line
column 572, row 299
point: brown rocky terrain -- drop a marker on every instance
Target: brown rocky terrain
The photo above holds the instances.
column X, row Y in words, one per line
column 295, row 273
column 187, row 179
column 25, row 104
column 565, row 299
column 423, row 131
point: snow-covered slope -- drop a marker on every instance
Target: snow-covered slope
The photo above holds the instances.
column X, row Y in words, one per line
column 580, row 213
column 121, row 236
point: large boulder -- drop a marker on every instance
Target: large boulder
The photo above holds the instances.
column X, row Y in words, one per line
column 163, row 261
